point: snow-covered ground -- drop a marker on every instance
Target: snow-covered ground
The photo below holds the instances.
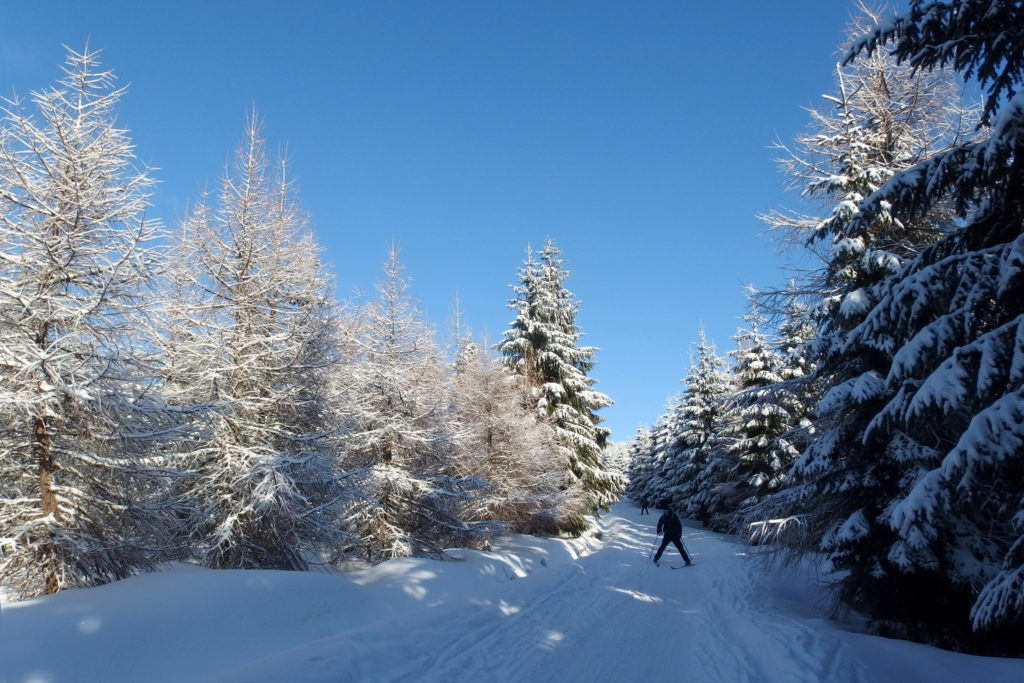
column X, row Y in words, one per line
column 594, row 609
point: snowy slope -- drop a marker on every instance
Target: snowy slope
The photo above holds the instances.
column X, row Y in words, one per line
column 534, row 610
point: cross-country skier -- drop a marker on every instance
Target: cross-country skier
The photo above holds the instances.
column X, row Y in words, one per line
column 669, row 523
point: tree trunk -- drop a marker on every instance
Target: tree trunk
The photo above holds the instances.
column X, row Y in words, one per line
column 47, row 499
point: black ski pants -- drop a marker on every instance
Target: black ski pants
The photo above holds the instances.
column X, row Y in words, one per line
column 677, row 540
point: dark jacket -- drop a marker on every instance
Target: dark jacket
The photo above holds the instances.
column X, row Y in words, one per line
column 670, row 524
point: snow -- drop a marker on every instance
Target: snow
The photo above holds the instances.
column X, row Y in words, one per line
column 532, row 610
column 855, row 303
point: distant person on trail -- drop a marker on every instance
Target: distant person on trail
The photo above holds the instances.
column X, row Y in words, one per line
column 669, row 523
column 643, row 507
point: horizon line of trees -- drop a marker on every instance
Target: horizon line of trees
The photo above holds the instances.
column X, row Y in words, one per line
column 880, row 428
column 199, row 394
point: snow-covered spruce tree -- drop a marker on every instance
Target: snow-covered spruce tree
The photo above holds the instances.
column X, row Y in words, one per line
column 641, row 465
column 542, row 345
column 790, row 398
column 250, row 339
column 658, row 488
column 795, row 331
column 913, row 485
column 758, row 414
column 501, row 440
column 616, row 457
column 884, row 117
column 398, row 445
column 84, row 437
column 465, row 350
column 943, row 550
column 646, row 472
column 696, row 463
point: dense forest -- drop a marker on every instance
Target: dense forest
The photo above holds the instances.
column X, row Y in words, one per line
column 196, row 392
column 880, row 423
column 199, row 394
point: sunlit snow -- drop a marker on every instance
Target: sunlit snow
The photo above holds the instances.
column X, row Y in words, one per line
column 594, row 609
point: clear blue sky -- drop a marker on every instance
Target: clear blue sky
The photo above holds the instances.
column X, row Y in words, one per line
column 635, row 134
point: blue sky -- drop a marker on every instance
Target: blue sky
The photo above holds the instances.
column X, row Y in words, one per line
column 636, row 135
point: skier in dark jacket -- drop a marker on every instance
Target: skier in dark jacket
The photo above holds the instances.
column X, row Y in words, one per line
column 669, row 523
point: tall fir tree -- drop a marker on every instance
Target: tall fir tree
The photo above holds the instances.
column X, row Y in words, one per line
column 543, row 346
column 250, row 346
column 640, row 466
column 696, row 463
column 914, row 483
column 411, row 498
column 791, row 402
column 759, row 414
column 657, row 485
column 83, row 431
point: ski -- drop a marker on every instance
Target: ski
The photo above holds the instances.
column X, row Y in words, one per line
column 681, row 566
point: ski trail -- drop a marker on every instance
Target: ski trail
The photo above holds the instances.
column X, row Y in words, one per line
column 534, row 609
column 762, row 643
column 706, row 623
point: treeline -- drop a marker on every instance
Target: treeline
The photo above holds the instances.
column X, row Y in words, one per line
column 881, row 426
column 198, row 394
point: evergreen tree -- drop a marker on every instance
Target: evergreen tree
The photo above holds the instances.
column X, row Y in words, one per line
column 795, row 331
column 83, row 432
column 693, row 467
column 789, row 401
column 955, row 318
column 657, row 486
column 759, row 414
column 250, row 339
column 398, row 445
column 616, row 457
column 647, row 457
column 641, row 465
column 542, row 345
column 705, row 442
column 914, row 481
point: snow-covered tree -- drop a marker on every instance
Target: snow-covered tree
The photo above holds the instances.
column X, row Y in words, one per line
column 697, row 464
column 465, row 350
column 647, row 457
column 955, row 319
column 640, row 468
column 83, row 434
column 398, row 445
column 675, row 451
column 250, row 339
column 501, row 440
column 542, row 345
column 761, row 411
column 795, row 331
column 616, row 456
column 792, row 399
column 914, row 483
column 883, row 117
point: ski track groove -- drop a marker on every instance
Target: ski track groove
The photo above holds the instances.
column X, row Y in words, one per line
column 449, row 662
column 721, row 602
column 529, row 629
column 801, row 654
